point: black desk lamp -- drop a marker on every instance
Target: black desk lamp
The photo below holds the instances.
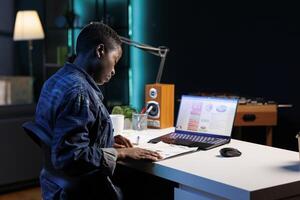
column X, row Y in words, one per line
column 159, row 96
column 160, row 51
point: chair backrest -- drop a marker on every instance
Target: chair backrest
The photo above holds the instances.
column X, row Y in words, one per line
column 37, row 133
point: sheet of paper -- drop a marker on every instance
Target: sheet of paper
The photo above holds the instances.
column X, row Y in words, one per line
column 146, row 135
column 167, row 150
column 140, row 139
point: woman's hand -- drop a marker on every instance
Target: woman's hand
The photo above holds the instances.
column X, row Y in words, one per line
column 122, row 142
column 138, row 154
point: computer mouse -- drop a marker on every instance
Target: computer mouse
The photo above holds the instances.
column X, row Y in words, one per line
column 230, row 152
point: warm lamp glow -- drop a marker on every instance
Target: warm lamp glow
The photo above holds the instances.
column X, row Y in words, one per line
column 28, row 26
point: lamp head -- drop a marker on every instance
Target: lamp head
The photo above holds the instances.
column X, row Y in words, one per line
column 28, row 26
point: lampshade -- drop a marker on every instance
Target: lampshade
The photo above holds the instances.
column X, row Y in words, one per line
column 28, row 26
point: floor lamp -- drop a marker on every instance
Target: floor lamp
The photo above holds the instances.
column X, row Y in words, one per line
column 28, row 27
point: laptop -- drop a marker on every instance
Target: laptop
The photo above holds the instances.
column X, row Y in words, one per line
column 203, row 122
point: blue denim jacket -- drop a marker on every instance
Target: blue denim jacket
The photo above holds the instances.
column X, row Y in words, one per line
column 70, row 108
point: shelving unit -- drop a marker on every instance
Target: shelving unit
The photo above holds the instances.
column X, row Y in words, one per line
column 60, row 33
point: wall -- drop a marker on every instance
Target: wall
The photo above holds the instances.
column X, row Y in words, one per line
column 148, row 26
column 6, row 31
column 246, row 49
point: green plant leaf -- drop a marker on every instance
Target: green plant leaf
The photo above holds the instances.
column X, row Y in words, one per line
column 117, row 110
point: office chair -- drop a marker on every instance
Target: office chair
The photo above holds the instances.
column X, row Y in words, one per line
column 43, row 140
column 37, row 134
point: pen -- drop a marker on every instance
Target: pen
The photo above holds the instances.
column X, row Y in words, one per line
column 149, row 109
column 143, row 110
column 137, row 140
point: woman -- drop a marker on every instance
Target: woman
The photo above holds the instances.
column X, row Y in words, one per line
column 83, row 153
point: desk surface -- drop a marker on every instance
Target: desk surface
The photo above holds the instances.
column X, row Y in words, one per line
column 261, row 171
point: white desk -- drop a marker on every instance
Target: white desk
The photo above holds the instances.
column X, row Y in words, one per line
column 262, row 172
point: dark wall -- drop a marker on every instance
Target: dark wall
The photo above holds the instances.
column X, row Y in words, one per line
column 233, row 48
column 245, row 49
column 6, row 31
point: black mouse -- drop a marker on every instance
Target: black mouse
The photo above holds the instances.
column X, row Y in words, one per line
column 230, row 152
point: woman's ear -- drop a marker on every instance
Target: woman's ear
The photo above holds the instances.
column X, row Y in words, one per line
column 100, row 50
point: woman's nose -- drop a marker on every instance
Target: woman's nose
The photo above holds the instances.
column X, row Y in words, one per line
column 113, row 72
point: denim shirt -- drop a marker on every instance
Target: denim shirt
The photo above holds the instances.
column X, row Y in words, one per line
column 70, row 108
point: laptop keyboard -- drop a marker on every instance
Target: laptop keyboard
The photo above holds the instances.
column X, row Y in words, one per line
column 190, row 140
column 194, row 138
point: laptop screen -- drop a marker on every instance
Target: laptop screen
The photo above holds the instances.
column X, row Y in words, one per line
column 212, row 115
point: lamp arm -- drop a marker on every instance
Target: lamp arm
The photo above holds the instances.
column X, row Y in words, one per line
column 160, row 51
column 161, row 68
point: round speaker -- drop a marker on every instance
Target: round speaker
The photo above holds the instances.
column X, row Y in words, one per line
column 155, row 111
column 153, row 93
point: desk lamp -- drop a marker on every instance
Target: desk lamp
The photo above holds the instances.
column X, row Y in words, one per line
column 159, row 96
column 28, row 27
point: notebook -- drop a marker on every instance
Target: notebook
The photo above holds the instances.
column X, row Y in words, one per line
column 202, row 122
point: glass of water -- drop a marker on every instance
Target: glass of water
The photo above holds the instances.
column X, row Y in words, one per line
column 139, row 121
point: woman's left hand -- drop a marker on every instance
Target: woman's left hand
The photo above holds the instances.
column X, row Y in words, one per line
column 122, row 142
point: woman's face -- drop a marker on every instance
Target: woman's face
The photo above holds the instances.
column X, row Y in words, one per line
column 105, row 64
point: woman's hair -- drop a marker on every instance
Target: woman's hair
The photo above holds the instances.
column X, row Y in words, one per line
column 94, row 34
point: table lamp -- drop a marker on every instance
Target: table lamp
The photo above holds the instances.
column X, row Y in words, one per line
column 159, row 96
column 28, row 27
